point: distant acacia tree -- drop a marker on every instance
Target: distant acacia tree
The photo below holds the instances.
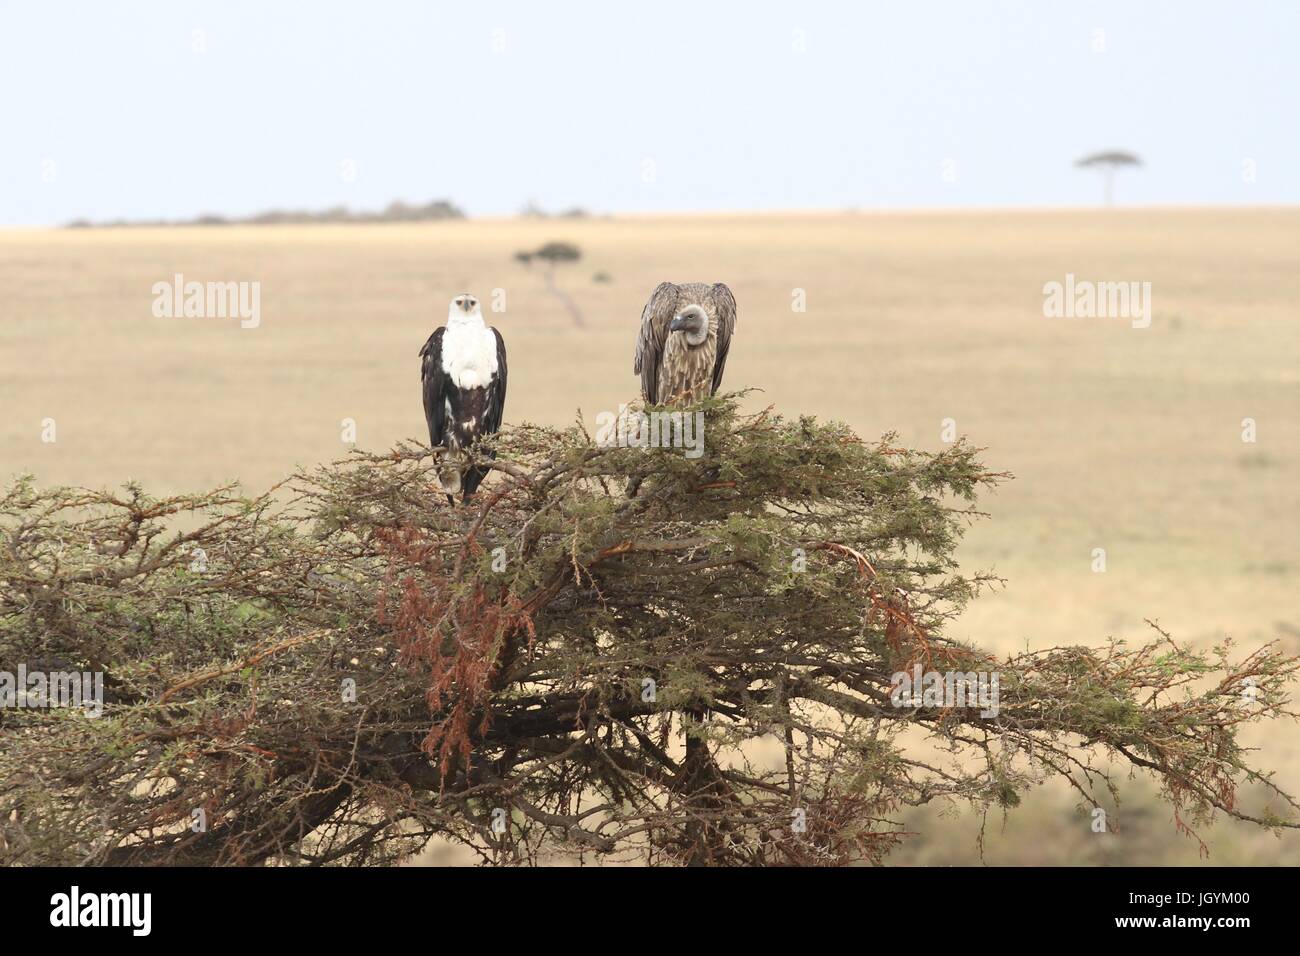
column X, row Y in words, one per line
column 1109, row 163
column 553, row 254
column 615, row 652
column 533, row 210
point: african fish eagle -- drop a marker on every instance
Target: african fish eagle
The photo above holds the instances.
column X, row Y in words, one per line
column 463, row 371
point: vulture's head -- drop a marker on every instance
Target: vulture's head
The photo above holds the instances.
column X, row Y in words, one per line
column 464, row 306
column 693, row 323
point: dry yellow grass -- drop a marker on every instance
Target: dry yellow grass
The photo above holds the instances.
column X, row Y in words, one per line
column 1120, row 438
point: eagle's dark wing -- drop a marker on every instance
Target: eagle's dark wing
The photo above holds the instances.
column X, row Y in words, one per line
column 434, row 380
column 655, row 319
column 496, row 399
column 494, row 405
column 724, row 305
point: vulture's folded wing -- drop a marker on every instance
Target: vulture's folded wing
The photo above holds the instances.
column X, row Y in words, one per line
column 724, row 305
column 655, row 319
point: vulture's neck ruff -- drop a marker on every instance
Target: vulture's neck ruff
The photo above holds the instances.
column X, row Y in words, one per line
column 692, row 324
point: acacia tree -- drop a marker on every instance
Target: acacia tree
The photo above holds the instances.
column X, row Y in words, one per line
column 1109, row 163
column 554, row 254
column 615, row 651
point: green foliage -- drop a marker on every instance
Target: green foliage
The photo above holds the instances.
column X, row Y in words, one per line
column 634, row 653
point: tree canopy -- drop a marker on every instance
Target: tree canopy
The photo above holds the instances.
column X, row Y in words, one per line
column 1110, row 158
column 1109, row 162
column 615, row 651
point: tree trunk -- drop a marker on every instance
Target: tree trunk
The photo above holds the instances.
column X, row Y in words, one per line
column 569, row 304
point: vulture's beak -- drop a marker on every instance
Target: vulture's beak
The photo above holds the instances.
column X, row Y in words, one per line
column 678, row 323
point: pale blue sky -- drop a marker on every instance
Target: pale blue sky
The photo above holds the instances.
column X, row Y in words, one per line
column 109, row 111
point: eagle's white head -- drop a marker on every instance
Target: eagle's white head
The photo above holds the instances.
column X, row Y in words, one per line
column 464, row 310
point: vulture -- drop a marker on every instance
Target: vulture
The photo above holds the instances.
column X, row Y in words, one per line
column 463, row 372
column 685, row 335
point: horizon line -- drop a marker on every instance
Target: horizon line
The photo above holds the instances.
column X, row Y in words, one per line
column 648, row 214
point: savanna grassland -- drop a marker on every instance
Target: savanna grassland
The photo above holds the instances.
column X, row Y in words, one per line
column 1119, row 438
